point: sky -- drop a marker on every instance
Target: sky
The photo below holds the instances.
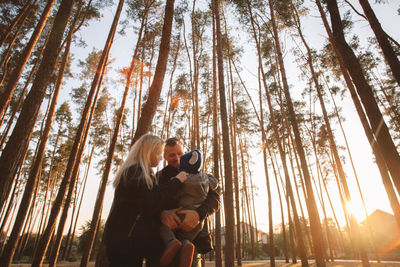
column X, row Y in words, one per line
column 372, row 188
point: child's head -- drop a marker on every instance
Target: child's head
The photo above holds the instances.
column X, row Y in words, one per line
column 190, row 162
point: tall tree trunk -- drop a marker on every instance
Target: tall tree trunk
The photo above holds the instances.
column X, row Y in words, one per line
column 73, row 180
column 6, row 94
column 353, row 223
column 195, row 81
column 68, row 250
column 149, row 108
column 74, row 207
column 383, row 40
column 13, row 152
column 303, row 255
column 19, row 102
column 320, row 177
column 248, row 201
column 36, row 166
column 218, row 243
column 168, row 105
column 271, row 250
column 234, row 133
column 285, row 245
column 380, row 161
column 45, row 239
column 20, row 17
column 7, row 209
column 102, row 188
column 364, row 90
column 228, row 197
column 315, row 224
column 297, row 228
column 6, row 55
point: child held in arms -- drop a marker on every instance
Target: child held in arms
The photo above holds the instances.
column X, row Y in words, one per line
column 194, row 192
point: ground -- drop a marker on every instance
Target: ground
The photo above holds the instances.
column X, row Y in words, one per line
column 263, row 264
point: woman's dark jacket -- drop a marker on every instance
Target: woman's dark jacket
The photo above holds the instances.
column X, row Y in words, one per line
column 135, row 212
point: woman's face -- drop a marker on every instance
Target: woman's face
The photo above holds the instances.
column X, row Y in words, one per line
column 156, row 156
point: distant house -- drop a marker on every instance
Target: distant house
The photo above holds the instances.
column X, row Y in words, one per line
column 385, row 233
column 245, row 229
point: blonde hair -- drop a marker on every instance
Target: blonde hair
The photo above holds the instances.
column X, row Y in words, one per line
column 140, row 154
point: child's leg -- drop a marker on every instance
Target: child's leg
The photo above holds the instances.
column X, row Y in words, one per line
column 167, row 235
column 186, row 256
column 190, row 235
column 172, row 245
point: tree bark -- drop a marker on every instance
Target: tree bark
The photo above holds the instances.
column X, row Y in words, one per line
column 21, row 16
column 35, row 169
column 380, row 161
column 215, row 140
column 67, row 179
column 6, row 94
column 381, row 36
column 228, row 197
column 364, row 90
column 149, row 108
column 13, row 152
column 315, row 224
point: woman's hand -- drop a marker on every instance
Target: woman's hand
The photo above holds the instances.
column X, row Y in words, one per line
column 182, row 176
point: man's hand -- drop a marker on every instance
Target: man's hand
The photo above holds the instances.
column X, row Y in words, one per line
column 170, row 219
column 190, row 221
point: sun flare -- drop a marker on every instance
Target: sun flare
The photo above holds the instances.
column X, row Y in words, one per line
column 357, row 210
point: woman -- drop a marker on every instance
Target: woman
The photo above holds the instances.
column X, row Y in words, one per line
column 131, row 233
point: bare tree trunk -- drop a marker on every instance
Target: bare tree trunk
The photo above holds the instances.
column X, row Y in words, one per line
column 245, row 189
column 195, row 82
column 292, row 150
column 44, row 242
column 6, row 55
column 218, row 243
column 380, row 161
column 149, row 108
column 228, row 197
column 341, row 239
column 74, row 176
column 234, row 133
column 6, row 94
column 381, row 36
column 7, row 209
column 36, row 167
column 13, row 152
column 168, row 105
column 315, row 224
column 17, row 106
column 100, row 197
column 21, row 16
column 68, row 251
column 364, row 90
column 264, row 144
column 285, row 245
column 342, row 176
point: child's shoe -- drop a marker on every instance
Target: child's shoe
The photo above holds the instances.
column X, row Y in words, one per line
column 186, row 257
column 170, row 251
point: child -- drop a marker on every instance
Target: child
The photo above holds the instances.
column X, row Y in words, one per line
column 194, row 192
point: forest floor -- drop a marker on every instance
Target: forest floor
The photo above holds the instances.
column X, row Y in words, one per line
column 312, row 264
column 337, row 263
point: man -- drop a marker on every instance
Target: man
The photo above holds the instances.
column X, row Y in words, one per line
column 172, row 152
